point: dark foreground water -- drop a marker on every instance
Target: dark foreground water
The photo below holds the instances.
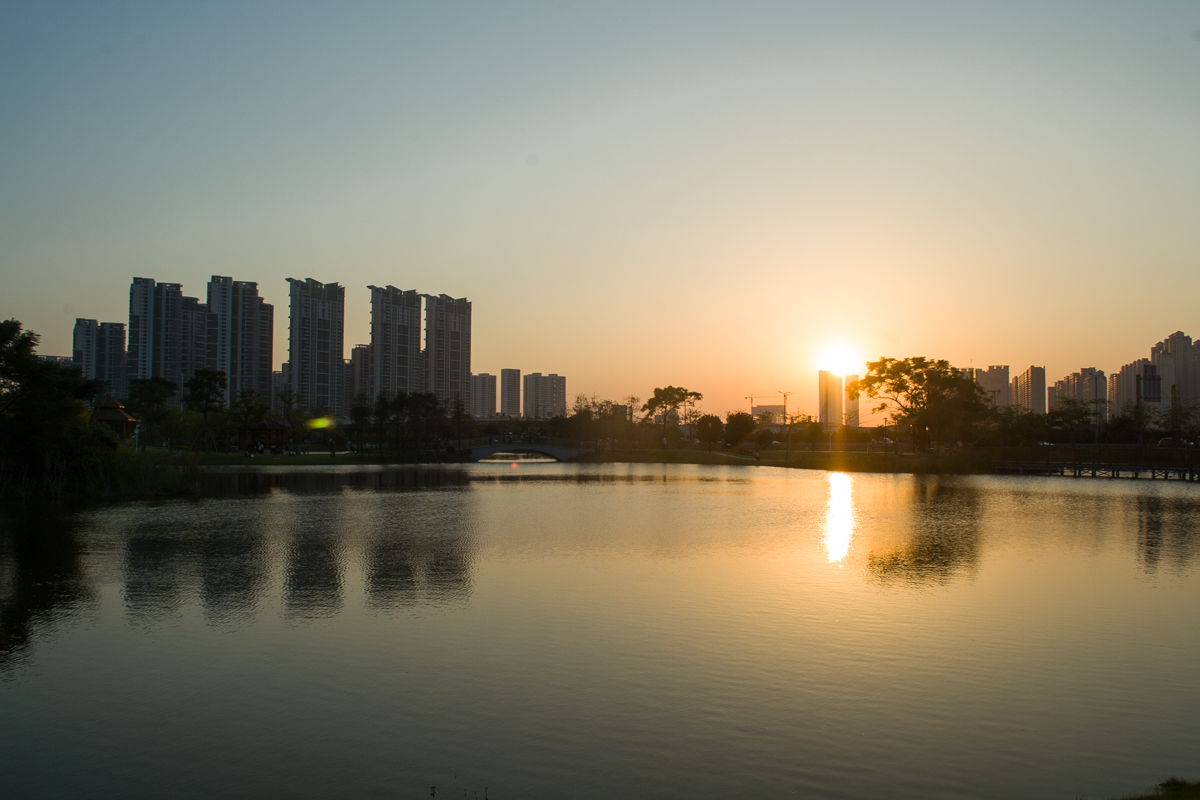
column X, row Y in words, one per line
column 608, row 631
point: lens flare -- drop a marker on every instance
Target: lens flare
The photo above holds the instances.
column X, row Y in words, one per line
column 319, row 422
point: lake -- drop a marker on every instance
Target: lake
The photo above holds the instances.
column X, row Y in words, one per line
column 604, row 631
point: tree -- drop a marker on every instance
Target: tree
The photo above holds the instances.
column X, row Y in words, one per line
column 930, row 396
column 248, row 408
column 1071, row 417
column 44, row 424
column 709, row 429
column 738, row 425
column 205, row 393
column 666, row 401
column 148, row 398
column 293, row 415
column 360, row 418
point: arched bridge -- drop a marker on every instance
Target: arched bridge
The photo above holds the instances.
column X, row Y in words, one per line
column 559, row 450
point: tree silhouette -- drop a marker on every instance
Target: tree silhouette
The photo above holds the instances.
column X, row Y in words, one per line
column 709, row 429
column 738, row 425
column 667, row 400
column 148, row 398
column 205, row 394
column 928, row 395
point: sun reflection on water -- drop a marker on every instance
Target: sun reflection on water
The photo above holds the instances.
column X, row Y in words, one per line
column 839, row 517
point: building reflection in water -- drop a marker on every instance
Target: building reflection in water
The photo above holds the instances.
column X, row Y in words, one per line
column 942, row 537
column 157, row 560
column 839, row 517
column 421, row 556
column 233, row 574
column 1167, row 530
column 313, row 580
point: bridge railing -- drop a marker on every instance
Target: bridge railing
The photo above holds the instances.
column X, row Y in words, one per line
column 518, row 441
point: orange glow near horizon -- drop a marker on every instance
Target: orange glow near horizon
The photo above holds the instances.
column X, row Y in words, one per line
column 840, row 358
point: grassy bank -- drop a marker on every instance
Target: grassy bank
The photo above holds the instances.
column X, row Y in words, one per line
column 845, row 462
column 1172, row 789
column 958, row 464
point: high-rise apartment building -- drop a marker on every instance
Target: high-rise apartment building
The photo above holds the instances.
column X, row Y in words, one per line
column 1029, row 390
column 315, row 335
column 1177, row 361
column 170, row 335
column 851, row 405
column 245, row 336
column 98, row 351
column 1089, row 385
column 1136, row 382
column 197, row 338
column 483, row 396
column 995, row 382
column 360, row 372
column 510, row 393
column 83, row 346
column 545, row 395
column 155, row 334
column 395, row 351
column 447, row 354
column 830, row 396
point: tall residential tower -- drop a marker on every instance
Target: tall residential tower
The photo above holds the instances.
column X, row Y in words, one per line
column 315, row 336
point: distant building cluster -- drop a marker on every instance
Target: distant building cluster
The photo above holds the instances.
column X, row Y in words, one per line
column 172, row 336
column 534, row 396
column 420, row 343
column 1170, row 376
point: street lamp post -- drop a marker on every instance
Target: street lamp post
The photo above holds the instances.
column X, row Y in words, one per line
column 787, row 431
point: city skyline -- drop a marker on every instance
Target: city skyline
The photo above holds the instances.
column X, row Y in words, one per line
column 185, row 335
column 928, row 180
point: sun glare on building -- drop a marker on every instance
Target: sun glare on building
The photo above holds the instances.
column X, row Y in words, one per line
column 840, row 358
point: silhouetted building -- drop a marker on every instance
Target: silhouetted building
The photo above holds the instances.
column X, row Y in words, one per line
column 1089, row 386
column 1029, row 390
column 774, row 411
column 62, row 361
column 510, row 393
column 850, row 412
column 276, row 387
column 545, row 395
column 995, row 382
column 1177, row 361
column 483, row 396
column 1136, row 382
column 830, row 396
column 98, row 351
column 197, row 338
column 360, row 371
column 245, row 335
column 315, row 330
column 155, row 331
column 447, row 353
column 395, row 351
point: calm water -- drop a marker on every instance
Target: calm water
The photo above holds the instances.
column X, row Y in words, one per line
column 607, row 631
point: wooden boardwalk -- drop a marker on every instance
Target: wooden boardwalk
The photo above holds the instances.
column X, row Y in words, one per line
column 1178, row 472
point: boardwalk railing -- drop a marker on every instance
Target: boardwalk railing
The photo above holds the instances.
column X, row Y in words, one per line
column 1182, row 472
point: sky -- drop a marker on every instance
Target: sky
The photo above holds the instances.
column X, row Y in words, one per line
column 633, row 194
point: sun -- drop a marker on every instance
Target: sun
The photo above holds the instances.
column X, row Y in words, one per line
column 840, row 358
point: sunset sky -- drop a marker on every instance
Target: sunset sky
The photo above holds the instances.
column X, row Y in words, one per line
column 632, row 195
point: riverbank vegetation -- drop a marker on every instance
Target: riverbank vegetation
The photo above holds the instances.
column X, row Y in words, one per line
column 1172, row 789
column 936, row 419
